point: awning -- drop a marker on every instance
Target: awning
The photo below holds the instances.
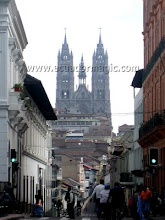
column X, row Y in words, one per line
column 37, row 92
column 138, row 173
column 137, row 80
column 118, row 151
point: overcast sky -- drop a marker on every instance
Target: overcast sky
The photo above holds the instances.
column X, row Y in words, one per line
column 122, row 25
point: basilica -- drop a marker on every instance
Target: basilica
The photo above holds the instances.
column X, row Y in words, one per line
column 82, row 101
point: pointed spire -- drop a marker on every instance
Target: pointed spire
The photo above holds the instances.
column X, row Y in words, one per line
column 100, row 39
column 82, row 73
column 106, row 53
column 82, row 60
column 100, row 36
column 65, row 37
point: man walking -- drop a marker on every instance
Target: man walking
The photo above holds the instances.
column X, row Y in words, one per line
column 116, row 198
column 145, row 197
column 96, row 192
column 70, row 203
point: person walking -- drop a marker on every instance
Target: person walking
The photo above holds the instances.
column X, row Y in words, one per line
column 70, row 203
column 96, row 193
column 117, row 199
column 145, row 197
column 134, row 206
column 105, row 208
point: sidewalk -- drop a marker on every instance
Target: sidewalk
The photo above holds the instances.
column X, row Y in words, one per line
column 14, row 216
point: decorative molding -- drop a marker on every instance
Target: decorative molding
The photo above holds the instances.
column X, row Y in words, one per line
column 22, row 69
column 33, row 157
column 12, row 44
column 17, row 55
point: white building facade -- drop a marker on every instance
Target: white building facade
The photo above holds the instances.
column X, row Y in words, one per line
column 24, row 120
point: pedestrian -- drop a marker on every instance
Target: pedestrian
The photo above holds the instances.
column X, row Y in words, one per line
column 69, row 198
column 117, row 199
column 105, row 208
column 145, row 197
column 96, row 194
column 59, row 207
column 134, row 205
column 38, row 209
column 13, row 204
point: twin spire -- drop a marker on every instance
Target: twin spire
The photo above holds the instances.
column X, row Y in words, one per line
column 99, row 45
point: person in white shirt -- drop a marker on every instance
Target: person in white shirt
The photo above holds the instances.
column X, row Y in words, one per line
column 96, row 192
column 105, row 208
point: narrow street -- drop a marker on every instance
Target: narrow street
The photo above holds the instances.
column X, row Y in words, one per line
column 88, row 214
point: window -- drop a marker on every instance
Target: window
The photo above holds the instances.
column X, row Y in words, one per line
column 65, row 94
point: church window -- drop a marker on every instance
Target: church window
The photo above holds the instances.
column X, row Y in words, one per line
column 65, row 80
column 65, row 57
column 100, row 80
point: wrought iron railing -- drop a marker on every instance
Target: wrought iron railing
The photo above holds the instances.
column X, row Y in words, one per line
column 154, row 58
column 158, row 119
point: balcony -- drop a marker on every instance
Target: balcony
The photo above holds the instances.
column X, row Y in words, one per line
column 153, row 130
column 15, row 104
column 126, row 178
column 156, row 55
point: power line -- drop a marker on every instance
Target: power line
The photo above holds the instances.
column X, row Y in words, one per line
column 133, row 113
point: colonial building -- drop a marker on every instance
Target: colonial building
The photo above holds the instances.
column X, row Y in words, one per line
column 25, row 112
column 152, row 80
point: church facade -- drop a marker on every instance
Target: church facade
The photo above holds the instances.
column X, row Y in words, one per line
column 83, row 101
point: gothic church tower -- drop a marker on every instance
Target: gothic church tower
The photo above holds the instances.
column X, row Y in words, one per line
column 65, row 78
column 96, row 102
column 100, row 82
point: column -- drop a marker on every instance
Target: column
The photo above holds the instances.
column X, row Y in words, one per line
column 4, row 79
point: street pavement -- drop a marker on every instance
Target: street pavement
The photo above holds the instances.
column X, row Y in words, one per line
column 88, row 213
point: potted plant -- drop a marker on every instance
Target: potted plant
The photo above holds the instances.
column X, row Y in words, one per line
column 17, row 87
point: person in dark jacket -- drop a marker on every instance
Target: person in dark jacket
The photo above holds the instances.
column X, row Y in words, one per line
column 116, row 198
column 70, row 203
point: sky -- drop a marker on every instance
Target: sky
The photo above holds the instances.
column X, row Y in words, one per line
column 121, row 24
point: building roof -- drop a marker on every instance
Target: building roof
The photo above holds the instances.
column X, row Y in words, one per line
column 71, row 182
column 89, row 167
column 36, row 90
